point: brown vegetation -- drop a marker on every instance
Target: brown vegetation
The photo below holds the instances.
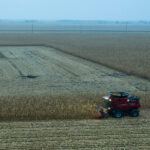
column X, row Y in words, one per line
column 47, row 107
column 53, row 107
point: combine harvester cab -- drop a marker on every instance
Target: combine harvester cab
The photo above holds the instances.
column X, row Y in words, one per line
column 119, row 104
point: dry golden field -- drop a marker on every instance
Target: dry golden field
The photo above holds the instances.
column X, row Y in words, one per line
column 54, row 107
column 48, row 97
column 107, row 134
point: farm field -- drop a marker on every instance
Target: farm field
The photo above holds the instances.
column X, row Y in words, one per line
column 41, row 82
column 51, row 75
column 127, row 133
column 36, row 70
column 129, row 51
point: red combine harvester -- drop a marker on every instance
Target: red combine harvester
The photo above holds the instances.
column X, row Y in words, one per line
column 119, row 104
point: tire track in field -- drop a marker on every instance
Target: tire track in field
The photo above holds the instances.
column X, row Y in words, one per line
column 46, row 64
column 37, row 66
column 15, row 67
column 43, row 61
column 12, row 63
column 2, row 56
column 58, row 63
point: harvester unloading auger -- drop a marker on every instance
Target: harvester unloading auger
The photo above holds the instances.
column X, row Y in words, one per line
column 119, row 104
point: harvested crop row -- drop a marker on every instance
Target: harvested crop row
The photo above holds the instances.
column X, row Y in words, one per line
column 110, row 133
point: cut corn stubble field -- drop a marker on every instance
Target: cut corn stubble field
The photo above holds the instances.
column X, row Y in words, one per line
column 127, row 133
column 32, row 70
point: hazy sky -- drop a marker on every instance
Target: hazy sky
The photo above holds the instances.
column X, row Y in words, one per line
column 75, row 9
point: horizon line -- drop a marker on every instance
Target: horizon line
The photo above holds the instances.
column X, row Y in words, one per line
column 102, row 20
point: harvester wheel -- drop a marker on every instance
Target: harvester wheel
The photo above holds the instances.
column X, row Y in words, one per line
column 134, row 113
column 118, row 114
